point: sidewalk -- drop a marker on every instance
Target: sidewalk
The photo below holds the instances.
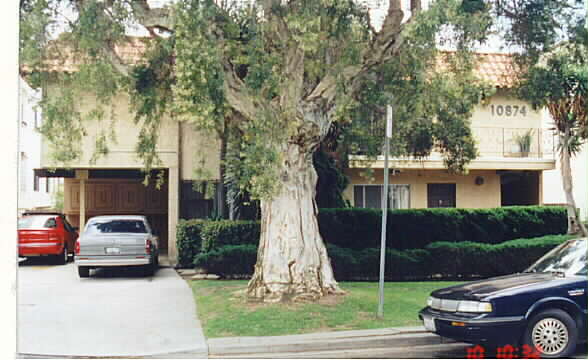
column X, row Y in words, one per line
column 287, row 346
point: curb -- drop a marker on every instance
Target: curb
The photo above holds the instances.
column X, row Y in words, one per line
column 318, row 342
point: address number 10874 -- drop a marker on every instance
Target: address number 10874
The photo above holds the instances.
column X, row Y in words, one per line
column 508, row 110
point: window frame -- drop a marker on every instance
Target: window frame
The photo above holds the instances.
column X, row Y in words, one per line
column 381, row 186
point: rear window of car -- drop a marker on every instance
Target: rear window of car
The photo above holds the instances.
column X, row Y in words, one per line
column 37, row 222
column 116, row 226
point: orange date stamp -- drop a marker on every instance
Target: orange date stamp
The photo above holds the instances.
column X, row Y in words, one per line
column 505, row 352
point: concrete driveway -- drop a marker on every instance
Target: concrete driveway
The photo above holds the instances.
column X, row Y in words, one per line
column 113, row 313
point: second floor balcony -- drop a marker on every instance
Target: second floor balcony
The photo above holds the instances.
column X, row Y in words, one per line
column 515, row 142
column 498, row 148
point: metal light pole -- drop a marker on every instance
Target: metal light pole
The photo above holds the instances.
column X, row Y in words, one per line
column 384, row 209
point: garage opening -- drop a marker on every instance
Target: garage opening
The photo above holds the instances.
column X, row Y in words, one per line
column 119, row 192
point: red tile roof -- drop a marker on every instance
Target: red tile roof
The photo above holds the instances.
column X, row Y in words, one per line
column 494, row 68
column 497, row 69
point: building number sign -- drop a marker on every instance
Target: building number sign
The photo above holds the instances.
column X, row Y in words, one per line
column 508, row 110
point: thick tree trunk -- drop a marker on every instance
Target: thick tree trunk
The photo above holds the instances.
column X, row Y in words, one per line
column 575, row 226
column 292, row 262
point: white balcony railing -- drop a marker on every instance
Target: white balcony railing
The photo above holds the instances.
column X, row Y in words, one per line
column 506, row 142
column 515, row 142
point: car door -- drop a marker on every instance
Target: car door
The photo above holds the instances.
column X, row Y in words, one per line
column 71, row 234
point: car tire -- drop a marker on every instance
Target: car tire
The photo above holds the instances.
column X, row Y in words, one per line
column 149, row 270
column 62, row 258
column 553, row 333
column 83, row 271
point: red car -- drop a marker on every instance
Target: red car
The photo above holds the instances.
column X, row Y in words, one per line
column 46, row 234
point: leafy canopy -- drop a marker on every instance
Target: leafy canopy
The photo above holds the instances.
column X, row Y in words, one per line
column 274, row 72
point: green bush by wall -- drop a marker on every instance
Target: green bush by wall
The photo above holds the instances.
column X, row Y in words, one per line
column 359, row 229
column 441, row 259
column 416, row 228
column 188, row 240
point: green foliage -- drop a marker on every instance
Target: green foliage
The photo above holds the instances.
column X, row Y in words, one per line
column 560, row 83
column 228, row 260
column 216, row 234
column 58, row 199
column 331, row 181
column 188, row 240
column 468, row 258
column 416, row 228
column 447, row 259
column 537, row 26
column 354, row 229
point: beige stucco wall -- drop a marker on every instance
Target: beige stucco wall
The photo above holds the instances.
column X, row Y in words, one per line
column 199, row 151
column 122, row 154
column 483, row 117
column 468, row 194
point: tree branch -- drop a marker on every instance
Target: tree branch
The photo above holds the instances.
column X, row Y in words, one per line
column 384, row 46
column 236, row 95
column 158, row 18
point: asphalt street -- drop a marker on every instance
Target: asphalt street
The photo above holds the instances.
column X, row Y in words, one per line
column 440, row 351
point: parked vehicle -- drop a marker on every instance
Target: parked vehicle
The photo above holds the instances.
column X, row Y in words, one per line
column 46, row 234
column 121, row 240
column 542, row 309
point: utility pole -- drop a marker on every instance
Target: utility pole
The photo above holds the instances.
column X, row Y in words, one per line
column 380, row 314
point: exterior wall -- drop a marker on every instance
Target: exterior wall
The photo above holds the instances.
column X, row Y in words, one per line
column 199, row 151
column 498, row 123
column 194, row 145
column 468, row 194
column 29, row 148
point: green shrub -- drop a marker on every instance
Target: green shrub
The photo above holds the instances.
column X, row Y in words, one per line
column 188, row 240
column 416, row 228
column 359, row 229
column 468, row 258
column 228, row 260
column 216, row 234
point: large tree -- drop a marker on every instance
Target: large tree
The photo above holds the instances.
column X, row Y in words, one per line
column 559, row 82
column 276, row 75
column 551, row 41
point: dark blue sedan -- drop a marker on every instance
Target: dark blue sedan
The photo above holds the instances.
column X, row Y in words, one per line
column 543, row 308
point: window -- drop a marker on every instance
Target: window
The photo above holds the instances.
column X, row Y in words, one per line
column 36, row 183
column 370, row 196
column 440, row 195
column 46, row 185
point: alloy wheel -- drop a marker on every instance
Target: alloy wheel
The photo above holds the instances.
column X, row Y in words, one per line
column 550, row 336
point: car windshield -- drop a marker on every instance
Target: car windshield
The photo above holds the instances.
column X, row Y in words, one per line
column 116, row 226
column 567, row 259
column 36, row 222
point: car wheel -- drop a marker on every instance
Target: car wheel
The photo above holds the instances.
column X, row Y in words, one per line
column 83, row 271
column 62, row 258
column 552, row 333
column 149, row 270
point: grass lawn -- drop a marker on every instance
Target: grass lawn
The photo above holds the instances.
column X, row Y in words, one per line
column 224, row 311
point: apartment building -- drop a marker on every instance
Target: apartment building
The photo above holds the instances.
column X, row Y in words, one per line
column 514, row 151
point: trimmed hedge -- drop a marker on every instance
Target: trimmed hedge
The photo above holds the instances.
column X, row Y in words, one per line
column 441, row 259
column 359, row 229
column 216, row 234
column 468, row 258
column 188, row 240
column 416, row 228
column 229, row 260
